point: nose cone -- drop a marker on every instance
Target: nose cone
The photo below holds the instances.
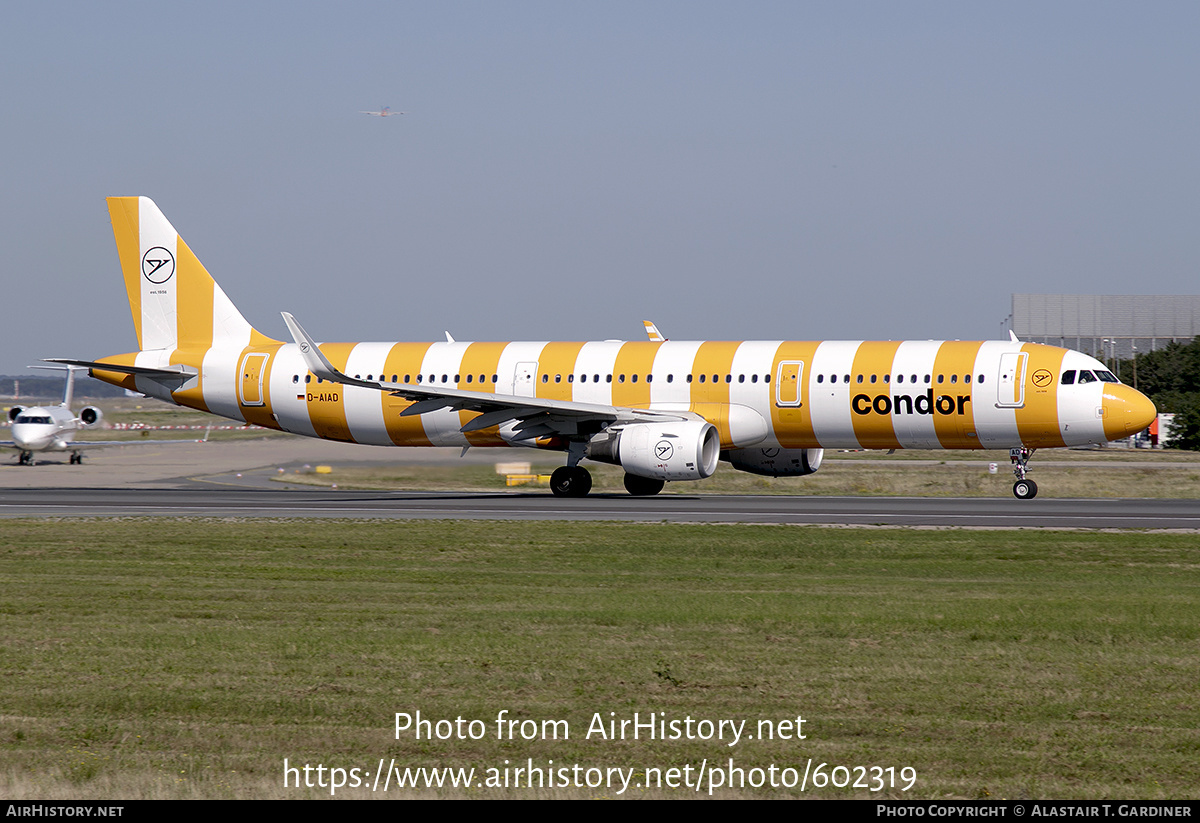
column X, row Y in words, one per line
column 30, row 436
column 1126, row 411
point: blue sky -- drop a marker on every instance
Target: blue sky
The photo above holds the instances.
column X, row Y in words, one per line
column 566, row 170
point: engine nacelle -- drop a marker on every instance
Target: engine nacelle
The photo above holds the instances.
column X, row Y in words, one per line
column 90, row 416
column 14, row 413
column 775, row 462
column 683, row 450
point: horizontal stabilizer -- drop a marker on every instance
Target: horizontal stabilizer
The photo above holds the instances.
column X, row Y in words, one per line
column 144, row 371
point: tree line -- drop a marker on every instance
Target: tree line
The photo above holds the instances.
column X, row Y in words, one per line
column 1170, row 377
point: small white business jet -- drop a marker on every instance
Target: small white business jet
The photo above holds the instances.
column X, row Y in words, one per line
column 52, row 428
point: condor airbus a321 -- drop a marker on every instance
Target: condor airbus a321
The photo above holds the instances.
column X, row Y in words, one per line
column 662, row 410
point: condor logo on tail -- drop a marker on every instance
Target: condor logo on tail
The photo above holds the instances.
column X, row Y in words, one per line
column 906, row 404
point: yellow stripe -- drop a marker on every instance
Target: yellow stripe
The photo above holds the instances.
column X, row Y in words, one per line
column 123, row 212
column 953, row 409
column 1037, row 420
column 714, row 361
column 192, row 397
column 793, row 424
column 556, row 368
column 872, row 362
column 634, row 360
column 194, row 301
column 261, row 415
column 403, row 359
column 480, row 361
column 326, row 401
column 125, row 381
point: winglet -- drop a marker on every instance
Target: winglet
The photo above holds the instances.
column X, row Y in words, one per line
column 653, row 333
column 1012, row 335
column 317, row 363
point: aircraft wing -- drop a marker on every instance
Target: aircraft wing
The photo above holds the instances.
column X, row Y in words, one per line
column 535, row 416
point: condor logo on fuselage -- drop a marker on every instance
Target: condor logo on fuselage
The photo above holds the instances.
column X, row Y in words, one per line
column 907, row 404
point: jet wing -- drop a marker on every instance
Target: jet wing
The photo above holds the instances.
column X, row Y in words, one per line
column 534, row 416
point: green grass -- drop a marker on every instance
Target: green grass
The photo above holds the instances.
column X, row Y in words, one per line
column 953, row 474
column 189, row 658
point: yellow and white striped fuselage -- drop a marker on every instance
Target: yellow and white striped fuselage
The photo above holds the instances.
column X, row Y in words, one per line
column 830, row 394
column 664, row 410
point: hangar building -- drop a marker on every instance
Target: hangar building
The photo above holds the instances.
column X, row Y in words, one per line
column 1106, row 325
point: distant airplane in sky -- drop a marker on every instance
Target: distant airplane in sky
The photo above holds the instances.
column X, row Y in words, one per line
column 386, row 111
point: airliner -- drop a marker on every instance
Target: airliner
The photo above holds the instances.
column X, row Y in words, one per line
column 386, row 111
column 52, row 428
column 663, row 410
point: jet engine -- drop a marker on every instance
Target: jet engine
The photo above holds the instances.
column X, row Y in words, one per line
column 14, row 413
column 683, row 450
column 90, row 416
column 775, row 462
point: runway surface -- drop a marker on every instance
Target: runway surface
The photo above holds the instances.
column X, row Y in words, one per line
column 235, row 480
column 216, row 501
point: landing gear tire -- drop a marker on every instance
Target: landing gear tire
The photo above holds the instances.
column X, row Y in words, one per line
column 1025, row 489
column 570, row 481
column 642, row 486
column 25, row 459
column 76, row 459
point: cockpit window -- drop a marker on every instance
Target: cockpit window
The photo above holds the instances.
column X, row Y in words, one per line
column 1086, row 376
column 1068, row 378
column 1107, row 376
column 27, row 418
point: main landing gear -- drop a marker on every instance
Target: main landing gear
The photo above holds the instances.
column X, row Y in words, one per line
column 1024, row 489
column 571, row 481
column 642, row 486
column 25, row 458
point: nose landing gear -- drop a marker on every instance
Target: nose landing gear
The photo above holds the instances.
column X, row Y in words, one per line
column 1023, row 489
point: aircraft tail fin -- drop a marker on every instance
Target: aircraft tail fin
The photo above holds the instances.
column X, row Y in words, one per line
column 69, row 389
column 174, row 300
